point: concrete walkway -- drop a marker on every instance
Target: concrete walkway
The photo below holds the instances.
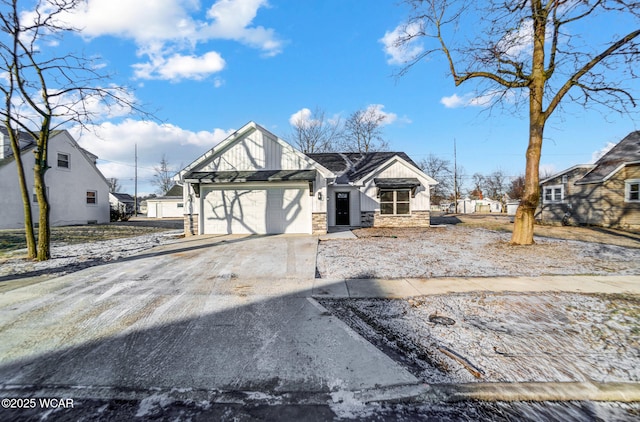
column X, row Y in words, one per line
column 408, row 287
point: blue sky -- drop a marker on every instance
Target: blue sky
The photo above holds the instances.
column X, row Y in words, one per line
column 205, row 68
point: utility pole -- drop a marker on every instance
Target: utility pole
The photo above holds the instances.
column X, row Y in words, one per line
column 135, row 182
column 455, row 177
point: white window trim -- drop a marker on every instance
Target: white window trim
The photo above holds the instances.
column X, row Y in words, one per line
column 68, row 161
column 552, row 188
column 627, row 190
column 95, row 197
column 395, row 202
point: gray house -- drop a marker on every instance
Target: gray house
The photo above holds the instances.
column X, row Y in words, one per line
column 606, row 193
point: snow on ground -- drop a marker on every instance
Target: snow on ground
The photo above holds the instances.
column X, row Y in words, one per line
column 455, row 251
column 69, row 258
column 504, row 337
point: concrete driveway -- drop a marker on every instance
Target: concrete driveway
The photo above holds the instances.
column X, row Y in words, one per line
column 226, row 313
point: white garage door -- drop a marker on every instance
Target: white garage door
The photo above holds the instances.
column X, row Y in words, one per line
column 259, row 209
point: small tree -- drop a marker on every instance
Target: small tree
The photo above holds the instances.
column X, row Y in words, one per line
column 439, row 169
column 163, row 177
column 537, row 48
column 363, row 131
column 114, row 185
column 312, row 132
column 44, row 90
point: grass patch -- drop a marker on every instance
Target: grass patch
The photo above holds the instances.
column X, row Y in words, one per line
column 12, row 240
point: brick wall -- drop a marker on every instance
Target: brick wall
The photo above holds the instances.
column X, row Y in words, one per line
column 191, row 225
column 319, row 223
column 415, row 219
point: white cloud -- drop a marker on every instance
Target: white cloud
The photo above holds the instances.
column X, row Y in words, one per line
column 301, row 116
column 400, row 54
column 167, row 32
column 179, row 67
column 377, row 110
column 114, row 145
column 470, row 100
column 598, row 154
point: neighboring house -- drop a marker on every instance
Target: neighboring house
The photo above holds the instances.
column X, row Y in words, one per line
column 78, row 193
column 169, row 205
column 606, row 193
column 254, row 182
column 122, row 205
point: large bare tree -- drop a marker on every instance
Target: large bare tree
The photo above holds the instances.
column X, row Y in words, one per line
column 441, row 170
column 45, row 89
column 542, row 49
column 313, row 132
column 363, row 131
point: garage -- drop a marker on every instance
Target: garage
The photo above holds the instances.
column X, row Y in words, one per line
column 261, row 208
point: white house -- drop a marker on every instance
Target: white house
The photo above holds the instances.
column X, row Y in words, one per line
column 169, row 205
column 78, row 193
column 255, row 182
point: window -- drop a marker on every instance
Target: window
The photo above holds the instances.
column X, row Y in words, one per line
column 553, row 194
column 632, row 190
column 395, row 202
column 180, row 205
column 63, row 160
column 92, row 197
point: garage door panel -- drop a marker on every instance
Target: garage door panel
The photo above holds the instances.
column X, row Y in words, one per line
column 257, row 211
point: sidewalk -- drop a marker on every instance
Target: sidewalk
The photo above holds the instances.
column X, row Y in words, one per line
column 408, row 287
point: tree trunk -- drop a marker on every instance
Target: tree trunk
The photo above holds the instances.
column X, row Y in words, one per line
column 24, row 192
column 525, row 215
column 44, row 230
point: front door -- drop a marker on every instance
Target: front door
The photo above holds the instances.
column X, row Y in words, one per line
column 342, row 209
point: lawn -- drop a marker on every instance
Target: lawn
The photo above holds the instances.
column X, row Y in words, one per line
column 12, row 240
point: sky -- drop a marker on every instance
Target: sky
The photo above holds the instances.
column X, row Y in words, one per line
column 206, row 68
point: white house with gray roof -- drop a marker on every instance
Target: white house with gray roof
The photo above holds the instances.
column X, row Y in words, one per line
column 255, row 182
column 77, row 191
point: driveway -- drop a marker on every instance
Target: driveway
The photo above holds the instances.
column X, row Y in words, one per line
column 203, row 314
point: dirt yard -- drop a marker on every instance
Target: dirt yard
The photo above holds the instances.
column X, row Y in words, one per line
column 479, row 248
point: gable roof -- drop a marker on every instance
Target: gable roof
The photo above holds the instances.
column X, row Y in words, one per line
column 625, row 152
column 122, row 197
column 176, row 190
column 352, row 166
column 563, row 172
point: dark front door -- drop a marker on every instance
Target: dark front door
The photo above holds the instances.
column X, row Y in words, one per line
column 342, row 209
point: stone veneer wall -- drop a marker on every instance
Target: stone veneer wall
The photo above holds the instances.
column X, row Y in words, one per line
column 319, row 223
column 415, row 219
column 190, row 225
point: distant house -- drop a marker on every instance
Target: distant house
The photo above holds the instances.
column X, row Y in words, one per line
column 606, row 193
column 255, row 182
column 169, row 205
column 122, row 205
column 78, row 193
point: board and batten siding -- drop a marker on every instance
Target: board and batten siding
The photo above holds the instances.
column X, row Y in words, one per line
column 421, row 201
column 257, row 151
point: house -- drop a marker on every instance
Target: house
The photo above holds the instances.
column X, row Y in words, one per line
column 122, row 206
column 606, row 193
column 255, row 182
column 78, row 193
column 169, row 205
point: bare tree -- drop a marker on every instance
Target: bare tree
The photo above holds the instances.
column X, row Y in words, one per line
column 478, row 181
column 114, row 185
column 45, row 90
column 163, row 177
column 495, row 185
column 441, row 170
column 363, row 131
column 516, row 188
column 535, row 47
column 312, row 132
